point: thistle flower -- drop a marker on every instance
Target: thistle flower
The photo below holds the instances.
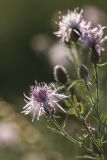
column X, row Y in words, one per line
column 93, row 38
column 71, row 25
column 43, row 100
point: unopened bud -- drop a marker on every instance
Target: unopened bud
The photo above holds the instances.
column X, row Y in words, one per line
column 60, row 74
column 83, row 72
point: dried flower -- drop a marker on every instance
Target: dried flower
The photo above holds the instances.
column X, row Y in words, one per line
column 94, row 39
column 43, row 100
column 69, row 25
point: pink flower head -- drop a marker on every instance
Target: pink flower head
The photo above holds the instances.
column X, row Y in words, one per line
column 43, row 100
column 71, row 22
column 94, row 39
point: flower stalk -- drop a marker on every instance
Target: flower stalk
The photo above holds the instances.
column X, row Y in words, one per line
column 99, row 147
column 97, row 104
column 64, row 133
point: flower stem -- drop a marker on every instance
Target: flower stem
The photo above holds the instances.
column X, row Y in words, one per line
column 97, row 107
column 97, row 102
column 97, row 89
column 94, row 139
column 92, row 102
column 64, row 133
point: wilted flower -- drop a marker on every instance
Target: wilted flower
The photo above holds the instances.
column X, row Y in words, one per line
column 43, row 100
column 71, row 25
column 94, row 39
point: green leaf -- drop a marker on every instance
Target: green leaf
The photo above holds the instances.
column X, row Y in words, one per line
column 73, row 111
column 53, row 129
column 65, row 122
column 75, row 101
column 68, row 104
column 76, row 82
column 88, row 157
column 82, row 108
column 105, row 141
column 101, row 65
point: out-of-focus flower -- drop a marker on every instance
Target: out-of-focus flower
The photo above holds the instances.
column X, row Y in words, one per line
column 34, row 156
column 94, row 39
column 94, row 14
column 48, row 155
column 40, row 43
column 9, row 134
column 59, row 54
column 43, row 100
column 71, row 26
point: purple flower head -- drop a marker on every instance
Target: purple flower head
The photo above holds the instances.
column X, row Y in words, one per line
column 43, row 100
column 84, row 26
column 93, row 38
column 68, row 23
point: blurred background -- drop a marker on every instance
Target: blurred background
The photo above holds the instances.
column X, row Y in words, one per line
column 28, row 52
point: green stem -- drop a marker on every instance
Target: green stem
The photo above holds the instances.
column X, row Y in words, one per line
column 64, row 133
column 97, row 104
column 78, row 52
column 97, row 108
column 97, row 89
column 92, row 102
column 94, row 139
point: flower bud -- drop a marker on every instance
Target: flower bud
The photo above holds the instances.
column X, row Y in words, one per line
column 83, row 72
column 94, row 56
column 60, row 74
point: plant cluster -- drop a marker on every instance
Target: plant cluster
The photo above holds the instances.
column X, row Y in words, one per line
column 77, row 98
